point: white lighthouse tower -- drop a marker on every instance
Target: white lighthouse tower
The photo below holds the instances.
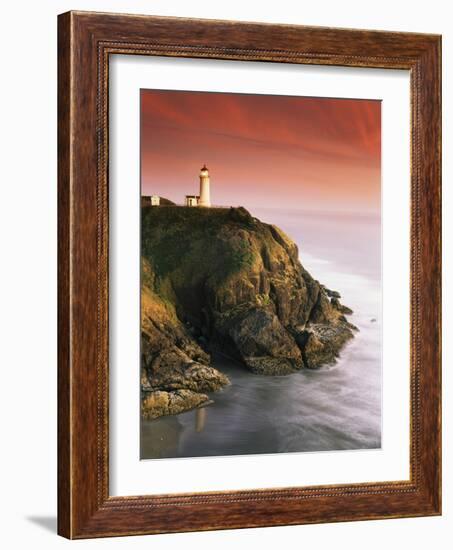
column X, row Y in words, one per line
column 205, row 199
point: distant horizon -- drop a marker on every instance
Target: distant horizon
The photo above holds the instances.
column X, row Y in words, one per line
column 263, row 150
column 312, row 211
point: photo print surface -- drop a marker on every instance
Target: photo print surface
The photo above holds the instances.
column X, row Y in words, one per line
column 260, row 274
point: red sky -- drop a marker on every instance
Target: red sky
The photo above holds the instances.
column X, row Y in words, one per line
column 263, row 151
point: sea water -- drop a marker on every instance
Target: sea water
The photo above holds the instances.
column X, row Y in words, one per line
column 336, row 407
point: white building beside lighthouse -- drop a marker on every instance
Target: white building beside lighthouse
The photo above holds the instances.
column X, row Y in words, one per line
column 204, row 198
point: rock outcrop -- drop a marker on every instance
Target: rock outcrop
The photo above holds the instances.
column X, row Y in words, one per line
column 175, row 371
column 221, row 280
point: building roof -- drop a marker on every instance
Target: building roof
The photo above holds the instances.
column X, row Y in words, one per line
column 204, row 167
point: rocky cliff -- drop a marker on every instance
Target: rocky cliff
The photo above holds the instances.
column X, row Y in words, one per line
column 222, row 280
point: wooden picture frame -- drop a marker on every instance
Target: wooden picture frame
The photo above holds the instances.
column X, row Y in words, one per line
column 85, row 42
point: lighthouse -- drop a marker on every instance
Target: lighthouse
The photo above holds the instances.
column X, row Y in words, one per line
column 205, row 199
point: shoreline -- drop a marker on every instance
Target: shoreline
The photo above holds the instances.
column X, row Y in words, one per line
column 198, row 434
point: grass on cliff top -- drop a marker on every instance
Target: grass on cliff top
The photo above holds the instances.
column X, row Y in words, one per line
column 204, row 241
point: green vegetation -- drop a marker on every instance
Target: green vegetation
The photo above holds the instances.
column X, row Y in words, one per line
column 241, row 256
column 192, row 244
column 263, row 299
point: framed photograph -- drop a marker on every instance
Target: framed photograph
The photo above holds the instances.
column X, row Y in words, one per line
column 249, row 275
